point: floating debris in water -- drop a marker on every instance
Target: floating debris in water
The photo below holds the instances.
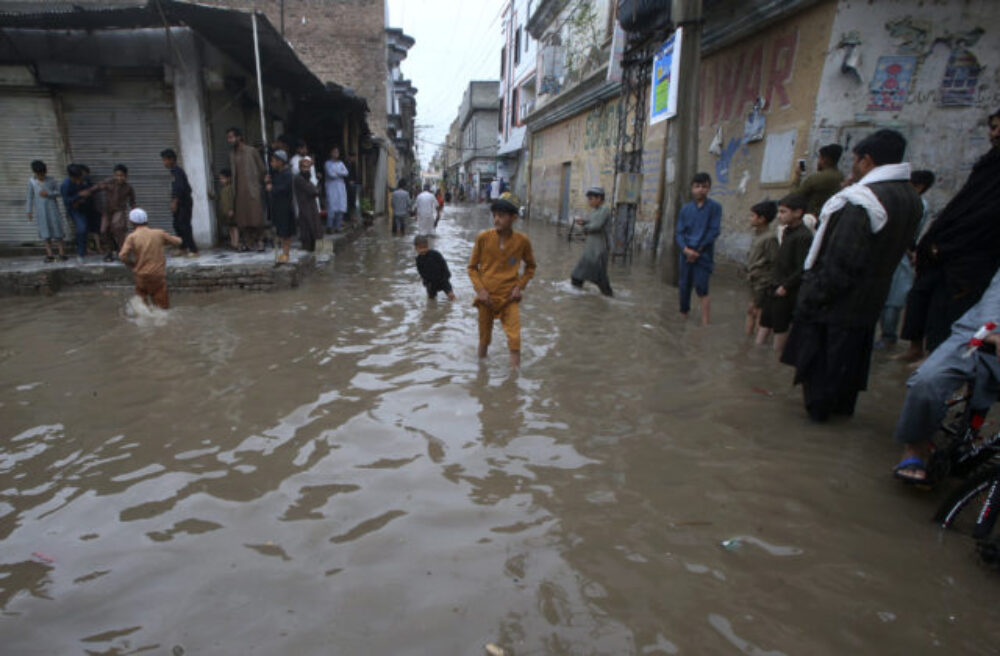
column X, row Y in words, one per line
column 774, row 549
column 42, row 557
column 494, row 650
column 762, row 391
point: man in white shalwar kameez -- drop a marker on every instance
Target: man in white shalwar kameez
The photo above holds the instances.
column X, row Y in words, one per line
column 426, row 205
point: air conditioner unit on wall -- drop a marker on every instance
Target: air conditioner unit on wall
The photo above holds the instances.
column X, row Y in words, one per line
column 642, row 16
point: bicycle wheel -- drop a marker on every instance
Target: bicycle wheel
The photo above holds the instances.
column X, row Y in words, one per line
column 961, row 510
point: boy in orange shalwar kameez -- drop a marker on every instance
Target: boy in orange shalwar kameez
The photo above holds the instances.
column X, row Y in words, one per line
column 495, row 271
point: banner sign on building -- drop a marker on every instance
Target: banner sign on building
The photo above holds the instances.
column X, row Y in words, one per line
column 666, row 72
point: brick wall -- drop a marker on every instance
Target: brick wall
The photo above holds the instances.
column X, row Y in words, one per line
column 341, row 41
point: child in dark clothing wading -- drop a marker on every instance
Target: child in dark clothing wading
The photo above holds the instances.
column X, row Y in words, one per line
column 433, row 269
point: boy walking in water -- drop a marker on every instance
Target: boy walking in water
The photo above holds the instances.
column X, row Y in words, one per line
column 494, row 270
column 698, row 225
column 433, row 269
column 150, row 265
column 786, row 272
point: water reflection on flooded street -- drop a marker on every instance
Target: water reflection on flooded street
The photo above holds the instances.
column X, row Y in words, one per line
column 330, row 470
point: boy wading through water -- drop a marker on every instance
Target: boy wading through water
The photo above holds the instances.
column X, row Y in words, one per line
column 786, row 274
column 593, row 264
column 760, row 262
column 494, row 270
column 698, row 225
column 150, row 265
column 433, row 269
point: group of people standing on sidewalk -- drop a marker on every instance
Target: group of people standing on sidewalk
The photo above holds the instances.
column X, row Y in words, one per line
column 283, row 192
column 100, row 209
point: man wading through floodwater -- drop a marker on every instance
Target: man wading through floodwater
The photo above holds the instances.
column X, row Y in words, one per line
column 864, row 230
column 593, row 264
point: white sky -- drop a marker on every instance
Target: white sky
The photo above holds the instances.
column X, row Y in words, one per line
column 456, row 41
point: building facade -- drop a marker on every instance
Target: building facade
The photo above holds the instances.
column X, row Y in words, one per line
column 776, row 81
column 478, row 118
column 401, row 101
column 518, row 91
column 110, row 86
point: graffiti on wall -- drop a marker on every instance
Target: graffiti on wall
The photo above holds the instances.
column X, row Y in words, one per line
column 736, row 82
column 959, row 86
column 601, row 126
column 961, row 77
column 894, row 74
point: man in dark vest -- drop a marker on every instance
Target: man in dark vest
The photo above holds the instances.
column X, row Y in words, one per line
column 862, row 234
column 957, row 255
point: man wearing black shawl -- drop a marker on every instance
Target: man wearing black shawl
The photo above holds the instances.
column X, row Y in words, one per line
column 959, row 253
column 864, row 230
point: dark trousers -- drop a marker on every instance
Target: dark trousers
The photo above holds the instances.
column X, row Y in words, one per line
column 79, row 230
column 399, row 224
column 182, row 226
column 933, row 305
column 434, row 287
column 692, row 274
column 832, row 363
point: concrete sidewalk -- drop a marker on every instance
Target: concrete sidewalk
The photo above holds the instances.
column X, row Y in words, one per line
column 212, row 270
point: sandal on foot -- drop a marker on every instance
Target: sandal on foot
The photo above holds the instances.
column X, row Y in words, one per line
column 915, row 465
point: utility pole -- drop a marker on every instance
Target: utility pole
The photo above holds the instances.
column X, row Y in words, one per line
column 682, row 134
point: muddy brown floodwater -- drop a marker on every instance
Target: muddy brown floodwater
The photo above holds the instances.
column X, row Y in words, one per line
column 329, row 470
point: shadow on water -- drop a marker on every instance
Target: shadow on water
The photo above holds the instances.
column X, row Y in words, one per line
column 331, row 470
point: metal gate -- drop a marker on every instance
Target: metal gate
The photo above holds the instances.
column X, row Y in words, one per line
column 130, row 126
column 28, row 131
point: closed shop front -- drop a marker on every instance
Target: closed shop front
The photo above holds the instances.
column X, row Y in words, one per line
column 28, row 131
column 128, row 123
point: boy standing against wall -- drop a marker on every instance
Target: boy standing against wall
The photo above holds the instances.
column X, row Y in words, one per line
column 698, row 226
column 119, row 198
column 181, row 203
column 494, row 270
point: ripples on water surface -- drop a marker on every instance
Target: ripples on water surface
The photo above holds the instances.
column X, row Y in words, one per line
column 330, row 471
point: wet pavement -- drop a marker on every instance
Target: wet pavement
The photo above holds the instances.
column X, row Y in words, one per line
column 330, row 470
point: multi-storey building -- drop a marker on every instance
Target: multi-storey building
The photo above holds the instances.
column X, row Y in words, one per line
column 518, row 90
column 478, row 117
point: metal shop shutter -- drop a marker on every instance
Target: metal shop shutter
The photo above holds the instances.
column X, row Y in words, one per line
column 129, row 126
column 28, row 131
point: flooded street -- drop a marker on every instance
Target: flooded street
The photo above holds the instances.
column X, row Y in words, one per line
column 330, row 470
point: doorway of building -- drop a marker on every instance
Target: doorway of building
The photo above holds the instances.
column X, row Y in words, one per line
column 564, row 194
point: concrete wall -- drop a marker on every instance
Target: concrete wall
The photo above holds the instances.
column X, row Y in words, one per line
column 479, row 136
column 781, row 65
column 943, row 137
column 587, row 143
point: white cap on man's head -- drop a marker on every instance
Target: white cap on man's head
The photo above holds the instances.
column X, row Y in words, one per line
column 138, row 216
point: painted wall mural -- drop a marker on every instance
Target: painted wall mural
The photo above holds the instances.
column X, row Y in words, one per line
column 961, row 78
column 894, row 74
